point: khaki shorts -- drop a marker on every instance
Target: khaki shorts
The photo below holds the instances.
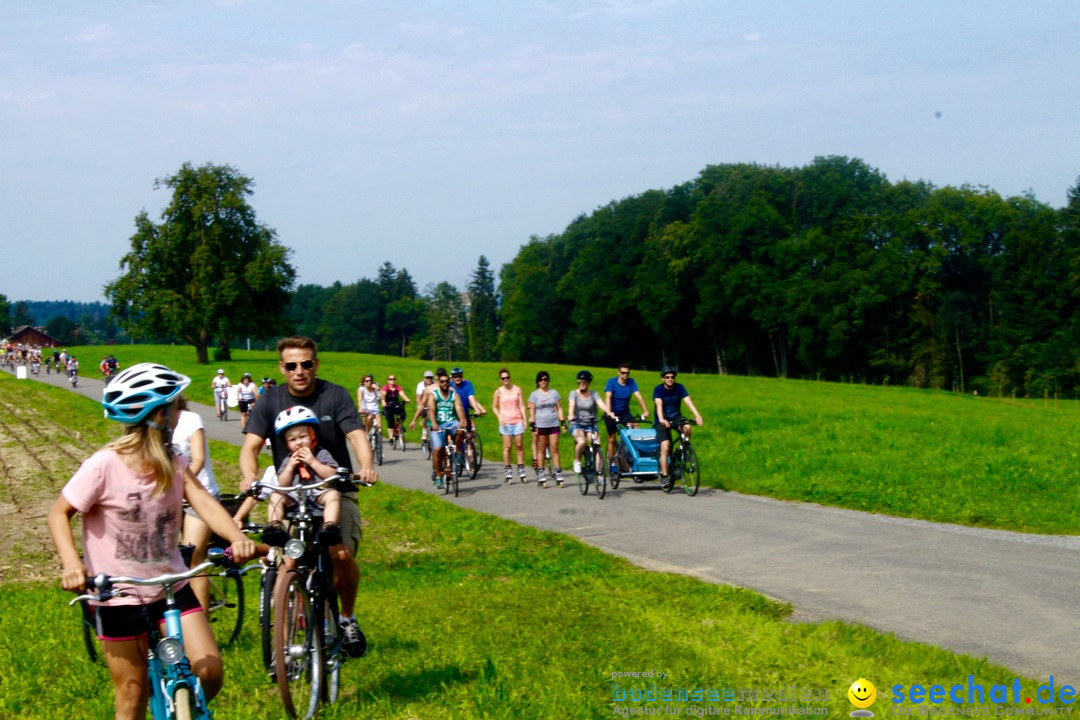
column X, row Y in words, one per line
column 349, row 521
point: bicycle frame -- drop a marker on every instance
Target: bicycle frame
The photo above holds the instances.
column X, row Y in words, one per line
column 168, row 668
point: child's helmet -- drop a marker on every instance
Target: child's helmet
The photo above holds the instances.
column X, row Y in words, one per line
column 134, row 393
column 296, row 415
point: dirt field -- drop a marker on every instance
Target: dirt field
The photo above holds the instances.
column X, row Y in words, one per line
column 37, row 456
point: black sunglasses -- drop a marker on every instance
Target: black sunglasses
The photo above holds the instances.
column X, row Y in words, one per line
column 291, row 366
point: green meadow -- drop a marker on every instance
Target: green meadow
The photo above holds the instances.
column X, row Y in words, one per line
column 989, row 462
column 468, row 615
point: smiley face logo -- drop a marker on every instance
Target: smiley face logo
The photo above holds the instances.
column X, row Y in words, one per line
column 862, row 693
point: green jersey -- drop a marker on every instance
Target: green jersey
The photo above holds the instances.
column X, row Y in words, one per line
column 444, row 407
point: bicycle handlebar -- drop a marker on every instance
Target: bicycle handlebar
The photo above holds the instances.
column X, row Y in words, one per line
column 343, row 480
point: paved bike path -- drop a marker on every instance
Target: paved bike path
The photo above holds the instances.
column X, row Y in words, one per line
column 1010, row 597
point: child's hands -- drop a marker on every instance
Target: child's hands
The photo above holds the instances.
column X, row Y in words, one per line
column 304, row 455
column 73, row 577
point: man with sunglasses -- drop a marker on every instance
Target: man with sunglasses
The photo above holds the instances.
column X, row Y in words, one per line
column 669, row 397
column 447, row 415
column 339, row 427
column 617, row 394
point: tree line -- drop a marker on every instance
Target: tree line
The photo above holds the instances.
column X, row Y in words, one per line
column 826, row 271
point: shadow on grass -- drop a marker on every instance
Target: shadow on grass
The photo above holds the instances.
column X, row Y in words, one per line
column 412, row 686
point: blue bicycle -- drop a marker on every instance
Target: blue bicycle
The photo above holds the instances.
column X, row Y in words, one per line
column 175, row 690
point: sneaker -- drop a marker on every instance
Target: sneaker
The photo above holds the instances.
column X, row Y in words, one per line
column 438, row 482
column 577, row 467
column 666, row 482
column 353, row 638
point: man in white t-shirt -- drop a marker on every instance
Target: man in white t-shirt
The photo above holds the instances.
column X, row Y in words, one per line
column 421, row 404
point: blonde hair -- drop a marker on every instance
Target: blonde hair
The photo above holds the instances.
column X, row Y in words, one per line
column 141, row 439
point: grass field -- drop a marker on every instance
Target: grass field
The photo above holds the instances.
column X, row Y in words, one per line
column 933, row 455
column 468, row 615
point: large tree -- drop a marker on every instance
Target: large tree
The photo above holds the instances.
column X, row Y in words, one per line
column 209, row 271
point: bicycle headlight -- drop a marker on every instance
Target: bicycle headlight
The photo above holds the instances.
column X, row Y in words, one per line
column 170, row 650
column 295, row 548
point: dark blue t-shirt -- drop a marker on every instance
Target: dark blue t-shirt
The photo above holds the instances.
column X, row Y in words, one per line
column 670, row 400
column 621, row 394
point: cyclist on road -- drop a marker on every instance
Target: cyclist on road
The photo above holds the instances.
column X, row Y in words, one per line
column 668, row 397
column 447, row 416
column 131, row 494
column 393, row 399
column 246, row 394
column 582, row 405
column 509, row 408
column 617, row 394
column 545, row 416
column 422, row 389
column 339, row 428
column 220, row 385
column 367, row 399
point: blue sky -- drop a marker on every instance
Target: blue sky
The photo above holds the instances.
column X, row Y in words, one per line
column 429, row 133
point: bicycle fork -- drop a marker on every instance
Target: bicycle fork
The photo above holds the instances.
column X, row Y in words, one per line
column 169, row 669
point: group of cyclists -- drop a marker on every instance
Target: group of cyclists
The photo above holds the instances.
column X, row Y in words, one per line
column 247, row 394
column 310, row 425
column 34, row 357
column 447, row 402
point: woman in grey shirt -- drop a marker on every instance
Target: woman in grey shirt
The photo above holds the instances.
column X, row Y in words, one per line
column 545, row 416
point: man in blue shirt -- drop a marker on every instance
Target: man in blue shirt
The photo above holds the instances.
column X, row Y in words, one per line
column 465, row 390
column 617, row 394
column 668, row 397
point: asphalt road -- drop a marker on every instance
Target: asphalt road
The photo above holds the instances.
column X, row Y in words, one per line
column 1007, row 596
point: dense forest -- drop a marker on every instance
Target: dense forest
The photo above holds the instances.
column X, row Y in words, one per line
column 827, row 271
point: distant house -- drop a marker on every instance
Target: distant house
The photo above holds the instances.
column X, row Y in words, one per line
column 28, row 335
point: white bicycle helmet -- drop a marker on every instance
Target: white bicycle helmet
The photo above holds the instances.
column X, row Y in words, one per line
column 296, row 415
column 135, row 392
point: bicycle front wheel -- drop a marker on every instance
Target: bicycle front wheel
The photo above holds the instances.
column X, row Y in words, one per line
column 298, row 658
column 479, row 456
column 332, row 651
column 425, row 445
column 183, row 703
column 89, row 630
column 587, row 472
column 226, row 611
column 455, row 474
column 691, row 470
column 472, row 459
column 266, row 614
column 600, row 471
column 376, row 446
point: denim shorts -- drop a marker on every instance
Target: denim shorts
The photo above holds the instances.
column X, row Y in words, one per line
column 574, row 427
column 437, row 437
column 512, row 429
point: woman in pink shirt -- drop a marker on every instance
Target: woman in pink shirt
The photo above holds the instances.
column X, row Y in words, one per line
column 509, row 407
column 131, row 494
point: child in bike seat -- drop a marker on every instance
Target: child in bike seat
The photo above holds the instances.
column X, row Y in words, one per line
column 306, row 461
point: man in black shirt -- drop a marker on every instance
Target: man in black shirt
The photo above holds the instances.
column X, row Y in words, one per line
column 339, row 426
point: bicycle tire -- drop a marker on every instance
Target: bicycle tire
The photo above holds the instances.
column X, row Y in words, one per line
column 447, row 470
column 266, row 614
column 472, row 461
column 455, row 475
column 332, row 651
column 691, row 470
column 587, row 471
column 479, row 449
column 226, row 611
column 600, row 471
column 89, row 630
column 425, row 445
column 183, row 703
column 298, row 658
